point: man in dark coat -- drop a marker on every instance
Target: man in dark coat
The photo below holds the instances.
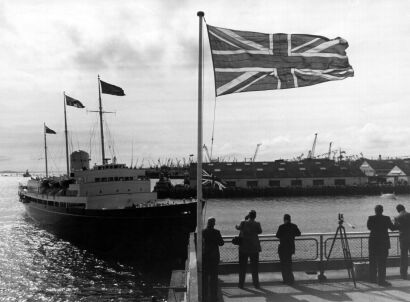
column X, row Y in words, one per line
column 212, row 240
column 402, row 223
column 379, row 245
column 286, row 234
column 250, row 247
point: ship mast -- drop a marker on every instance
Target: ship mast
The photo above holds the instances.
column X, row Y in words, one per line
column 45, row 149
column 66, row 136
column 101, row 121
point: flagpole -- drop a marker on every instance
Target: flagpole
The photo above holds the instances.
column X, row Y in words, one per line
column 101, row 121
column 45, row 149
column 66, row 136
column 199, row 163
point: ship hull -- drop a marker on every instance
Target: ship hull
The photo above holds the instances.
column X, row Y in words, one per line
column 148, row 233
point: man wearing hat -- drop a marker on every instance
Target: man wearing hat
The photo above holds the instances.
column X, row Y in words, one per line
column 249, row 248
column 286, row 234
column 212, row 240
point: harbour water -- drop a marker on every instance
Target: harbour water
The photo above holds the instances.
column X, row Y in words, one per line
column 311, row 214
column 37, row 266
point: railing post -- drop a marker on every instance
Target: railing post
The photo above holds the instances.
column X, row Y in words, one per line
column 321, row 276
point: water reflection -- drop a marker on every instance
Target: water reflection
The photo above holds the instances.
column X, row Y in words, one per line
column 37, row 265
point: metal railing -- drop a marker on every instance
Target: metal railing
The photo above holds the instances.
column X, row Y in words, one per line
column 311, row 248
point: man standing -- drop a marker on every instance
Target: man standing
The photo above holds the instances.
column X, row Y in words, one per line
column 212, row 240
column 250, row 247
column 286, row 234
column 402, row 223
column 379, row 245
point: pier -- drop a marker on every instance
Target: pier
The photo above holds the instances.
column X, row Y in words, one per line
column 317, row 277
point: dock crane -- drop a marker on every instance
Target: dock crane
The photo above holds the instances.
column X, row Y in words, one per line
column 207, row 152
column 311, row 153
column 256, row 151
column 330, row 150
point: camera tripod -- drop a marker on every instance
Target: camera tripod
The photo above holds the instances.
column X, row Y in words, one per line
column 341, row 231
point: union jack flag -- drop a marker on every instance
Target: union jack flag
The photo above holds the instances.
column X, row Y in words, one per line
column 212, row 180
column 251, row 61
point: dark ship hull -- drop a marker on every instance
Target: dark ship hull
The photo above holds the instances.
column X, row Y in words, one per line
column 147, row 233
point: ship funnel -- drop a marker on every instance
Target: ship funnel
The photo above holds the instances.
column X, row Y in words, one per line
column 79, row 160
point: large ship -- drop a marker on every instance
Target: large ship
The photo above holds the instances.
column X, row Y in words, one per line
column 109, row 208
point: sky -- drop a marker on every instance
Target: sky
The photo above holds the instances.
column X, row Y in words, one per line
column 150, row 49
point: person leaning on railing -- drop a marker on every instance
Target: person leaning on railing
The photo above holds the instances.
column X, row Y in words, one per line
column 379, row 245
column 249, row 247
column 212, row 240
column 286, row 234
column 402, row 223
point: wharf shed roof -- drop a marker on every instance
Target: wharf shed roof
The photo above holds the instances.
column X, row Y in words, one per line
column 309, row 168
column 384, row 166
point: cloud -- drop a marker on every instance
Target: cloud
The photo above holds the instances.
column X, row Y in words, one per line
column 5, row 24
column 378, row 138
column 112, row 52
column 5, row 158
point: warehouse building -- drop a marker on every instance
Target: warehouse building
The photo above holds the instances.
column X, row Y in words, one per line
column 281, row 173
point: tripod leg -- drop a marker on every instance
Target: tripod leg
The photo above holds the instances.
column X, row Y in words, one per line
column 347, row 255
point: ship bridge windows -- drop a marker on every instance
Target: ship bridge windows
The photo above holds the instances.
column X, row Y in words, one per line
column 340, row 182
column 252, row 183
column 116, row 178
column 318, row 182
column 296, row 182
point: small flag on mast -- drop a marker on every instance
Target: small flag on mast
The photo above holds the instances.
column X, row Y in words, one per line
column 73, row 102
column 49, row 131
column 111, row 89
column 252, row 61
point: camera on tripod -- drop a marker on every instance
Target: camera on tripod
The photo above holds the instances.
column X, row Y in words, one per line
column 341, row 219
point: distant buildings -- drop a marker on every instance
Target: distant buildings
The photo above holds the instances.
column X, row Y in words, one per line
column 280, row 173
column 394, row 171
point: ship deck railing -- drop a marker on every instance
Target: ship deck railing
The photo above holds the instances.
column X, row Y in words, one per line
column 312, row 252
